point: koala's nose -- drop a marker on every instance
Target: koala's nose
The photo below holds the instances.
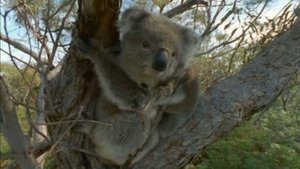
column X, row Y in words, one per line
column 160, row 60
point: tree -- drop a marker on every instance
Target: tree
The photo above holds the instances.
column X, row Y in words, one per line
column 72, row 89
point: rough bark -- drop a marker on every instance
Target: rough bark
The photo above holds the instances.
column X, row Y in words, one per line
column 74, row 94
column 73, row 91
column 97, row 19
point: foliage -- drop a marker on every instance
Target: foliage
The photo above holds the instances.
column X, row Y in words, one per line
column 43, row 24
column 22, row 83
column 50, row 163
column 4, row 148
column 39, row 9
column 251, row 147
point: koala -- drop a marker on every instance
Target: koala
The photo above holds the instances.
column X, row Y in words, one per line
column 147, row 87
column 130, row 134
column 157, row 53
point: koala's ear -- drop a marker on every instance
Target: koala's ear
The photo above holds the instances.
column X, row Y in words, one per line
column 130, row 18
column 189, row 37
column 188, row 49
column 134, row 14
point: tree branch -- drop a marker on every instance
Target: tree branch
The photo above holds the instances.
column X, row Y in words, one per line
column 11, row 129
column 230, row 101
column 184, row 7
column 19, row 46
column 18, row 59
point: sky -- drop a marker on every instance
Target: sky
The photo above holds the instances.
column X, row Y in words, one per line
column 18, row 33
column 15, row 32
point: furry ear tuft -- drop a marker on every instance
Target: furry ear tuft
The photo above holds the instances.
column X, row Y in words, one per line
column 130, row 18
column 134, row 14
column 190, row 42
column 189, row 37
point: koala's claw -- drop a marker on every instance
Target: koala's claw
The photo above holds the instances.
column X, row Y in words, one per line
column 82, row 128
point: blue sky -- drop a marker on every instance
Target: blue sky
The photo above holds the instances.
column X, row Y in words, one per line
column 18, row 33
column 15, row 32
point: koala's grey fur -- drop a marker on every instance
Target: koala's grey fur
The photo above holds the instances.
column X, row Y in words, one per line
column 120, row 136
column 148, row 89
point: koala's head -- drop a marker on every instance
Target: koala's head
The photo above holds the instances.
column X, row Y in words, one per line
column 153, row 48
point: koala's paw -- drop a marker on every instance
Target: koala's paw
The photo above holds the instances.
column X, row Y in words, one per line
column 166, row 90
column 140, row 101
column 84, row 128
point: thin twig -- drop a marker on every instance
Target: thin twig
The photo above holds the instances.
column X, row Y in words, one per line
column 19, row 46
column 184, row 7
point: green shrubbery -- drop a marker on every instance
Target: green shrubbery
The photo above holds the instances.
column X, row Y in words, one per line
column 271, row 143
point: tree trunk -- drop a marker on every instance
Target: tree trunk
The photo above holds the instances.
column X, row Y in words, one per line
column 74, row 93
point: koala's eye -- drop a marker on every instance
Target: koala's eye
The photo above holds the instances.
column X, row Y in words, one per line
column 146, row 44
